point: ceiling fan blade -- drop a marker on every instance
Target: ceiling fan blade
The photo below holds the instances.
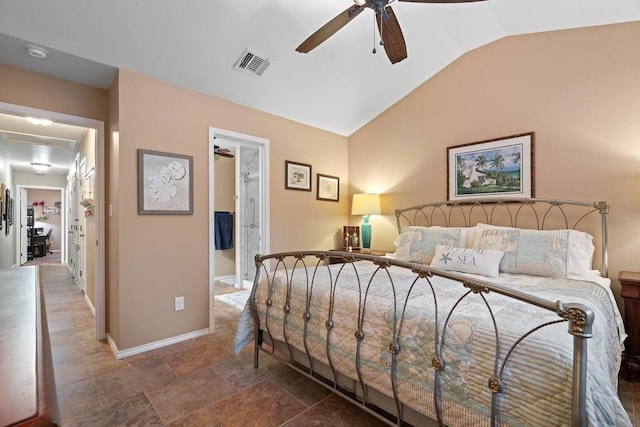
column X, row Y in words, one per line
column 224, row 152
column 329, row 29
column 441, row 1
column 391, row 35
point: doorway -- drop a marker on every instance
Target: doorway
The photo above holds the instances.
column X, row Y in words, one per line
column 97, row 129
column 48, row 216
column 250, row 184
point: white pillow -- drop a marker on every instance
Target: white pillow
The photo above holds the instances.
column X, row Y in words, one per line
column 476, row 261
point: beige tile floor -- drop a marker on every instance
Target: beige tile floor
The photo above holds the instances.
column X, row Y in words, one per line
column 199, row 382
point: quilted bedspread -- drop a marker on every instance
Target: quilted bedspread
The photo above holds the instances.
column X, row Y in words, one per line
column 536, row 380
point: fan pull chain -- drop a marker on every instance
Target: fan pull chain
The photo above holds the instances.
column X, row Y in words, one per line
column 374, row 33
column 381, row 26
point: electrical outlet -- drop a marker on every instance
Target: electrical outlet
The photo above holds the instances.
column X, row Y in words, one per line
column 179, row 304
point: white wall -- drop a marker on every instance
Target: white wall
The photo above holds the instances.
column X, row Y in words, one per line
column 6, row 241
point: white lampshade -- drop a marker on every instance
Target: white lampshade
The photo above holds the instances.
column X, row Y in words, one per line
column 365, row 204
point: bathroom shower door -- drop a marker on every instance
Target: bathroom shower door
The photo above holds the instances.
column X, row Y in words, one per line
column 249, row 208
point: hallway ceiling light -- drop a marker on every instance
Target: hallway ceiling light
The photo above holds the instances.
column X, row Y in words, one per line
column 39, row 122
column 40, row 167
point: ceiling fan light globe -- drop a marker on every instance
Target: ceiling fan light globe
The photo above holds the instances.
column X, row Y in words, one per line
column 360, row 2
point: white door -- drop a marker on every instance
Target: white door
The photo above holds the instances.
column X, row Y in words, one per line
column 23, row 226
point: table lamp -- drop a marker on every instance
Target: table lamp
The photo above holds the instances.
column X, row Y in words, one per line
column 366, row 204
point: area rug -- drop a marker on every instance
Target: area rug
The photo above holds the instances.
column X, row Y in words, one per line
column 235, row 299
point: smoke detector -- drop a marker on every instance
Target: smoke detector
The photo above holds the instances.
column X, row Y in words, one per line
column 37, row 52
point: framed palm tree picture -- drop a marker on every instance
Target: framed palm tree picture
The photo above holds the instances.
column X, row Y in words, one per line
column 500, row 167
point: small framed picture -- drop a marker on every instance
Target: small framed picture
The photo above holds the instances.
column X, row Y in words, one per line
column 297, row 176
column 328, row 188
column 165, row 183
column 50, row 210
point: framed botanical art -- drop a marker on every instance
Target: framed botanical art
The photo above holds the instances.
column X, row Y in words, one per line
column 501, row 167
column 297, row 176
column 165, row 183
column 328, row 188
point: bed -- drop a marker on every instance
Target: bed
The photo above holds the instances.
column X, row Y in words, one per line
column 490, row 312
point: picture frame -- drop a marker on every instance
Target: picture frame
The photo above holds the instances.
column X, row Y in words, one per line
column 10, row 211
column 7, row 211
column 500, row 167
column 50, row 210
column 165, row 183
column 297, row 176
column 327, row 188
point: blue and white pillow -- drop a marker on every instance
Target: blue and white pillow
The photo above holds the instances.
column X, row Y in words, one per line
column 476, row 261
column 534, row 252
column 418, row 244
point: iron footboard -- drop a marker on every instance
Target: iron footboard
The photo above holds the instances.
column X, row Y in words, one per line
column 305, row 274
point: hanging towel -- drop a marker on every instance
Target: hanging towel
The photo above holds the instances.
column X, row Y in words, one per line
column 223, row 230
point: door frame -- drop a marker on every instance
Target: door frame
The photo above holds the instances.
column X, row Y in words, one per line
column 262, row 145
column 63, row 217
column 99, row 196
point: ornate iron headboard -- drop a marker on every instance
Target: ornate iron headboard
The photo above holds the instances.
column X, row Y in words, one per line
column 540, row 214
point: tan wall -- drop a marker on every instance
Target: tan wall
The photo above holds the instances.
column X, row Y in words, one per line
column 162, row 257
column 22, row 87
column 577, row 89
column 225, row 192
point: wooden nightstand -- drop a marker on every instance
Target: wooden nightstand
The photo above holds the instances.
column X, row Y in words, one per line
column 630, row 282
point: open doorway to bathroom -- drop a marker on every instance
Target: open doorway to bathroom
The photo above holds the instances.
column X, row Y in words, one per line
column 239, row 208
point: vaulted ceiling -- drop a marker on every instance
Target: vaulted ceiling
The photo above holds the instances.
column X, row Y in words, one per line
column 339, row 86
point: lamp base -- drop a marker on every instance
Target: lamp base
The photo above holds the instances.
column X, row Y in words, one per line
column 366, row 234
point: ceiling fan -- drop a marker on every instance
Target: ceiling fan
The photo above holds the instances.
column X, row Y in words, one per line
column 388, row 26
column 224, row 152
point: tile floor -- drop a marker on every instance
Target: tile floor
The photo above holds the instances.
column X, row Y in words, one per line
column 199, row 382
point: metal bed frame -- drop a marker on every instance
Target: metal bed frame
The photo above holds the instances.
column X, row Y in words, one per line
column 509, row 212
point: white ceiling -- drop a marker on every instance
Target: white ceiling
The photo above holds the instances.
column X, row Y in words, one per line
column 339, row 86
column 23, row 143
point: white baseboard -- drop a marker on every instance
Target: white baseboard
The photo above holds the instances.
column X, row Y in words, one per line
column 121, row 354
column 90, row 304
column 230, row 276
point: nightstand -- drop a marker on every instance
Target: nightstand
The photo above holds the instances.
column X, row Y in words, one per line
column 630, row 282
